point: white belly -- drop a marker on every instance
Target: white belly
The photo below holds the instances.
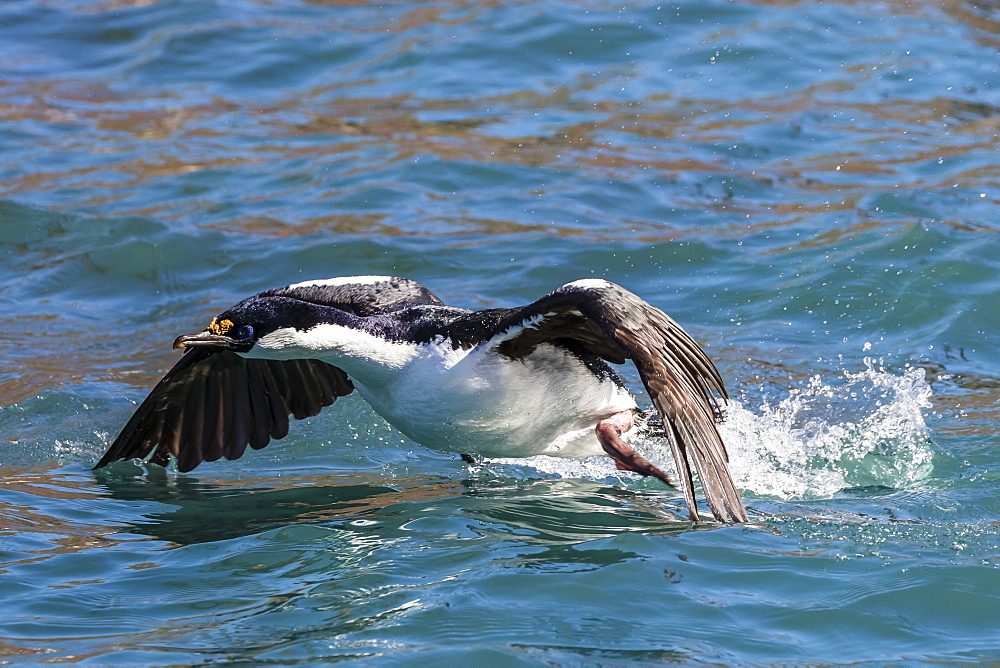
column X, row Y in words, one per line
column 477, row 402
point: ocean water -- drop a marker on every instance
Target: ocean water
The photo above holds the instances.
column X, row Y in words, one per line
column 810, row 188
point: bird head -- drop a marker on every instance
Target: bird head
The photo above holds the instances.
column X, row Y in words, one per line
column 266, row 326
column 222, row 333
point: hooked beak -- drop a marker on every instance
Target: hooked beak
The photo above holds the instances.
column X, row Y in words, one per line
column 203, row 340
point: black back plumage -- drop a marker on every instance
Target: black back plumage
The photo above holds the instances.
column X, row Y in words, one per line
column 362, row 299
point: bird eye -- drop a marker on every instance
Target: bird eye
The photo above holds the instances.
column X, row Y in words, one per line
column 244, row 332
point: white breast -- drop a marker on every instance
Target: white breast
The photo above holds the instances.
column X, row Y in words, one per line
column 479, row 402
column 471, row 401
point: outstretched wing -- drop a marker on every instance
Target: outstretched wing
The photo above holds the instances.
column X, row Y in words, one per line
column 213, row 404
column 682, row 381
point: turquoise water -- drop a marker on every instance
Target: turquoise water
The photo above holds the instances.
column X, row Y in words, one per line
column 810, row 188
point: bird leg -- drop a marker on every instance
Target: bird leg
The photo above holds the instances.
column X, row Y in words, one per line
column 609, row 432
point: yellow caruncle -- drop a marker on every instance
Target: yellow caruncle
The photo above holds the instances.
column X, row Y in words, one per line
column 220, row 327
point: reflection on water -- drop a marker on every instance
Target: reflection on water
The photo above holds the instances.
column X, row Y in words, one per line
column 349, row 549
column 209, row 511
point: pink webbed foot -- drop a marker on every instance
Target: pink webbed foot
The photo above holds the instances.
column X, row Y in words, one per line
column 609, row 432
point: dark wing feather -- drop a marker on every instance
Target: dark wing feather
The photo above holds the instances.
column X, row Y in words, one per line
column 682, row 381
column 213, row 404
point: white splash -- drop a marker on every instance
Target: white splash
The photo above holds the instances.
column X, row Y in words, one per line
column 862, row 429
column 858, row 429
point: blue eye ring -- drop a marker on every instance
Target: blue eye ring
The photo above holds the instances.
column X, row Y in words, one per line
column 244, row 332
